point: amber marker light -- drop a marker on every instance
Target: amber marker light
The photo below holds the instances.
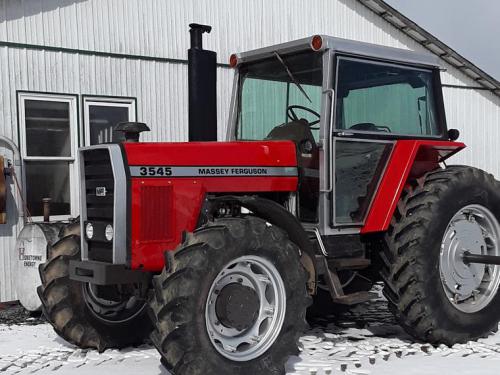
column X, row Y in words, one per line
column 233, row 60
column 316, row 42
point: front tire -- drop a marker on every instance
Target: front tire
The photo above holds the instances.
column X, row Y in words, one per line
column 234, row 301
column 433, row 294
column 74, row 309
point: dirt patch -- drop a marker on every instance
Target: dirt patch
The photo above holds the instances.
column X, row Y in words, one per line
column 14, row 313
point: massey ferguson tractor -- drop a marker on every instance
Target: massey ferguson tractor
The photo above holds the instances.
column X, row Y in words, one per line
column 332, row 178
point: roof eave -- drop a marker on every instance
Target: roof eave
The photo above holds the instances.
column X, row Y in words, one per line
column 433, row 44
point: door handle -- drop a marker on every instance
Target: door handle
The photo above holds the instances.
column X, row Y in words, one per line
column 343, row 134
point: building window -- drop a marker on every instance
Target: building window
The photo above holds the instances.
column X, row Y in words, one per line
column 101, row 115
column 48, row 142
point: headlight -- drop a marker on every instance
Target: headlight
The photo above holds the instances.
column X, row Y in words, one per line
column 109, row 232
column 89, row 230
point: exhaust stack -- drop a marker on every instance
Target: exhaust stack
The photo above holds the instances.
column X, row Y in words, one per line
column 202, row 82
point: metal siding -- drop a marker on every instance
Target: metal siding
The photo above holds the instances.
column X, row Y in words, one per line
column 159, row 28
column 160, row 89
column 9, row 231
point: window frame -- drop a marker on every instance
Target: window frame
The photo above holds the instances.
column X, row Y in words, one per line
column 72, row 100
column 239, row 79
column 105, row 101
column 437, row 93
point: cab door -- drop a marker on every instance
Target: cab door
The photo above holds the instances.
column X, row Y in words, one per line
column 359, row 165
column 376, row 104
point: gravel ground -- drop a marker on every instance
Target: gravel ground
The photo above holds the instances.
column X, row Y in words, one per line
column 364, row 340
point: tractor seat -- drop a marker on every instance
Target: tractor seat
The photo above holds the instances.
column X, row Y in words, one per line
column 296, row 131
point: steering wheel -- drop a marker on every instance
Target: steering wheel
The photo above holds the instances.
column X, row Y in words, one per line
column 290, row 113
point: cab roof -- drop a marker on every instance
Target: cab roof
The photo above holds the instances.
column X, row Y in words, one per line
column 345, row 47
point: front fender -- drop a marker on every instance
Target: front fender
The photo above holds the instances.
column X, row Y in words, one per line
column 277, row 215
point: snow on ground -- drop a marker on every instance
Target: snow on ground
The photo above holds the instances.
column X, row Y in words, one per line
column 365, row 340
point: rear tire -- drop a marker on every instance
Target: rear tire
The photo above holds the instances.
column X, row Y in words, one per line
column 181, row 314
column 416, row 274
column 66, row 303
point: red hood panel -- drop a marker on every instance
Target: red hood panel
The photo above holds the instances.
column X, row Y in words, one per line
column 169, row 182
column 258, row 153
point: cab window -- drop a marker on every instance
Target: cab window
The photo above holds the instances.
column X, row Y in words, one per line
column 274, row 91
column 375, row 97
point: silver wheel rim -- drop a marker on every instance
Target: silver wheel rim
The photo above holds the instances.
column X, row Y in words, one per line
column 470, row 287
column 262, row 276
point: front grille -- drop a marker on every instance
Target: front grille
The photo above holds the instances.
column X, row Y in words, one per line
column 99, row 179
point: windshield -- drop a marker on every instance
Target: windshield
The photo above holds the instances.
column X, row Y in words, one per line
column 269, row 87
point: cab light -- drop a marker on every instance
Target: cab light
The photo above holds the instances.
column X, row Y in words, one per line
column 233, row 60
column 317, row 42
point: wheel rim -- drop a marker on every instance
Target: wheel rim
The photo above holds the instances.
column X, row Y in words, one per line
column 257, row 279
column 112, row 312
column 470, row 287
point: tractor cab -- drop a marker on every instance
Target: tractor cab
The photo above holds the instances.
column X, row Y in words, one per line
column 345, row 105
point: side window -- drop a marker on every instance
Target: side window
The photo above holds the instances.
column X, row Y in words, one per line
column 101, row 115
column 277, row 91
column 264, row 106
column 48, row 126
column 385, row 98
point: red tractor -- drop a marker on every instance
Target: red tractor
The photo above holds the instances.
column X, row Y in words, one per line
column 332, row 177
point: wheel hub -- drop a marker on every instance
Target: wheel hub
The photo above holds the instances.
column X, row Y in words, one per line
column 463, row 236
column 237, row 306
column 470, row 286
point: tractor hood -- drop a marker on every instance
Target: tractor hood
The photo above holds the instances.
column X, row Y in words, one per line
column 169, row 182
column 257, row 161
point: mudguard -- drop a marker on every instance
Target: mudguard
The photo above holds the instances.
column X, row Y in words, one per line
column 409, row 160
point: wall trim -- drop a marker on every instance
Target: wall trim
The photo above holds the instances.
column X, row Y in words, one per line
column 115, row 55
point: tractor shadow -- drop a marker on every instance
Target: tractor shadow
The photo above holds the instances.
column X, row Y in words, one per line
column 369, row 319
column 352, row 337
column 366, row 320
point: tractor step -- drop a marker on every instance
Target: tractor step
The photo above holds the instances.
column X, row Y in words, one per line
column 349, row 263
column 337, row 292
column 355, row 298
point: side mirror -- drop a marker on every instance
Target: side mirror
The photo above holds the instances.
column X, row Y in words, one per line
column 453, row 134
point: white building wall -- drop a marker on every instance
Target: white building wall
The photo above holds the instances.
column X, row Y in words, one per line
column 160, row 89
column 159, row 28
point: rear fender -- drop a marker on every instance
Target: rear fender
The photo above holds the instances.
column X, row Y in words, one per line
column 410, row 160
